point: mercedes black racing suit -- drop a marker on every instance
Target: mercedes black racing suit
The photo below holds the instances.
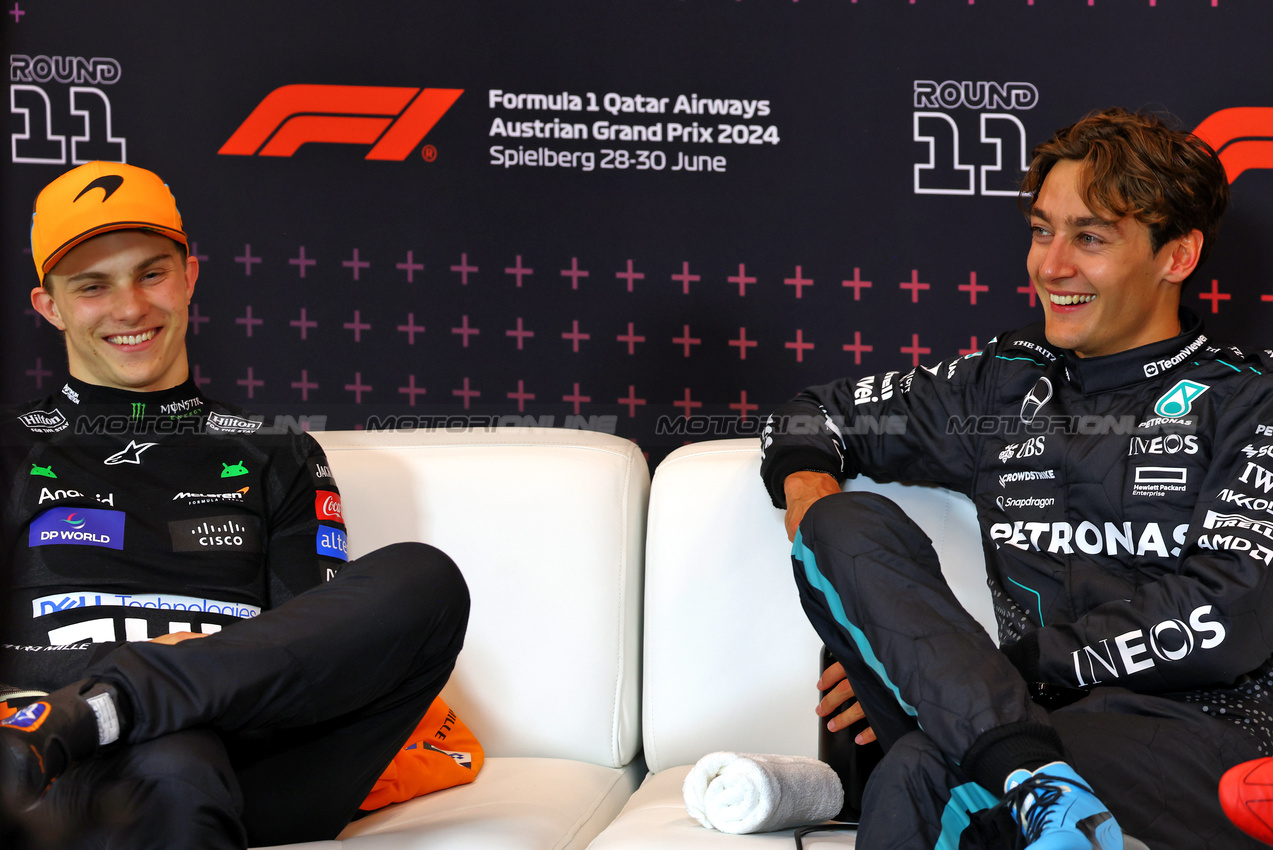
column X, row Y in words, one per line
column 129, row 515
column 1126, row 510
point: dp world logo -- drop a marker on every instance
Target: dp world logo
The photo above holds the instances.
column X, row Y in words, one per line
column 1178, row 400
column 392, row 119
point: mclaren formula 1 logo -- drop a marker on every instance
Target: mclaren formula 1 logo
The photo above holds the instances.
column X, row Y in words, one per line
column 393, row 120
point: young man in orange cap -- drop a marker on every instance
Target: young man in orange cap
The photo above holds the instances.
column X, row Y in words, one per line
column 216, row 673
column 1119, row 461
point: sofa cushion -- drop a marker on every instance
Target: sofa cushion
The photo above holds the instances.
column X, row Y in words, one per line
column 730, row 659
column 547, row 526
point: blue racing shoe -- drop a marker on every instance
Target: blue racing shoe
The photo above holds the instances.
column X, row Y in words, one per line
column 1058, row 811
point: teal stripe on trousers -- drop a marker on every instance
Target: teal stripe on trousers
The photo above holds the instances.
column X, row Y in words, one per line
column 964, row 800
column 816, row 579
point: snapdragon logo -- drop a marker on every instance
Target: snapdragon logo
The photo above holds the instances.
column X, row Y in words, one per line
column 1027, row 502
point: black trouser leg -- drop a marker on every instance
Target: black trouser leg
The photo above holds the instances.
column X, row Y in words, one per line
column 178, row 790
column 1156, row 763
column 872, row 587
column 312, row 698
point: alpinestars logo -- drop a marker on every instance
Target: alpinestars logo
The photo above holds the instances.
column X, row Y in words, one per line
column 394, row 120
column 1242, row 136
column 129, row 454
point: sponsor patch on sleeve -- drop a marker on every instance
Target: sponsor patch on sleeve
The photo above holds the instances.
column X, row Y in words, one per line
column 332, row 542
column 327, row 506
column 320, row 471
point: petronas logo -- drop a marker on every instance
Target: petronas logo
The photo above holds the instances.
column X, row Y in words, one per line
column 1178, row 400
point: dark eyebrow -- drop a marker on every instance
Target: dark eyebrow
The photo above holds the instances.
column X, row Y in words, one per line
column 147, row 263
column 1080, row 222
column 140, row 267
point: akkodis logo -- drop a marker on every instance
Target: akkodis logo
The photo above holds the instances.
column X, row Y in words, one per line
column 394, row 120
column 1242, row 136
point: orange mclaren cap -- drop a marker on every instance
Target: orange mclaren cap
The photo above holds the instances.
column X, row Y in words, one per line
column 95, row 198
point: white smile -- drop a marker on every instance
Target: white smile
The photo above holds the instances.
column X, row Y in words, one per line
column 132, row 339
column 1067, row 300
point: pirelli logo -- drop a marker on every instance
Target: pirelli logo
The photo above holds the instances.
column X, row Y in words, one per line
column 1242, row 136
column 393, row 120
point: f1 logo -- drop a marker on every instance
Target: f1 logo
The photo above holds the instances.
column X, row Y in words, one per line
column 1242, row 136
column 392, row 119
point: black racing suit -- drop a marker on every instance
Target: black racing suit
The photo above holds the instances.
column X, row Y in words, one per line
column 1126, row 510
column 132, row 515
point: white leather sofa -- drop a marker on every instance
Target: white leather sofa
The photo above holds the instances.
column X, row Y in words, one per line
column 730, row 660
column 572, row 684
column 548, row 527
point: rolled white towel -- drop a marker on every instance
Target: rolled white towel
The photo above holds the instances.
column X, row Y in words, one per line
column 745, row 792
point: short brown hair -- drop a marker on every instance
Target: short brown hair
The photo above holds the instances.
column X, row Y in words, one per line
column 1169, row 180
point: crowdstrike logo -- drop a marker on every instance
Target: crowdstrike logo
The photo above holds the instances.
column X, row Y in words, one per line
column 394, row 120
column 1242, row 136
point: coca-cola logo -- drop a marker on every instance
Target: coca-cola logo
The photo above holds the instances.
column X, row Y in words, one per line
column 327, row 506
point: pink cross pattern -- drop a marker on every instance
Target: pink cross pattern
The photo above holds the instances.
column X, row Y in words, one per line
column 742, row 280
column 411, row 329
column 972, row 288
column 521, row 396
column 630, row 275
column 304, row 385
column 576, row 398
column 685, row 278
column 857, row 348
column 574, row 336
column 358, row 388
column 574, row 273
column 630, row 338
column 411, row 390
column 857, row 283
column 519, row 271
column 743, row 343
column 464, row 268
column 799, row 345
column 464, row 330
column 466, row 393
column 686, row 340
column 520, row 333
column 632, row 401
column 914, row 286
column 799, row 282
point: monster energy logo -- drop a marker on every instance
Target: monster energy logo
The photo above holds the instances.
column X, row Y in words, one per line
column 139, row 409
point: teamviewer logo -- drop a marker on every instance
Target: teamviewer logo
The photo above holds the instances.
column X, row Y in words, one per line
column 393, row 120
